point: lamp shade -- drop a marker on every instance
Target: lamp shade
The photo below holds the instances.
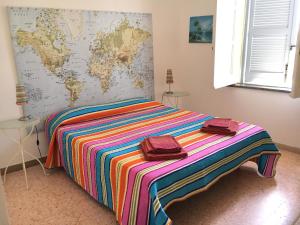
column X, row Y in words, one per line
column 169, row 77
column 21, row 96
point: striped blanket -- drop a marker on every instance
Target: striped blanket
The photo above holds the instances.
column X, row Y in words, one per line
column 98, row 146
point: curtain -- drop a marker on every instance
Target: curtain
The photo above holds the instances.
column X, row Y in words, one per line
column 296, row 74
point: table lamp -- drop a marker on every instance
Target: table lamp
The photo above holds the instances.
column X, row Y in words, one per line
column 22, row 99
column 169, row 80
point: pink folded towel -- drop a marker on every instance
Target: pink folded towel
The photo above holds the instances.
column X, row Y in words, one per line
column 160, row 156
column 163, row 144
column 218, row 122
column 220, row 126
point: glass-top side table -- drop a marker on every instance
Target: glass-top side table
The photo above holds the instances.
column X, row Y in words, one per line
column 174, row 94
column 20, row 126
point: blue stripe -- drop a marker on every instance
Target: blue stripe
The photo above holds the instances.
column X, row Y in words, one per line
column 104, row 127
column 161, row 218
column 78, row 111
column 262, row 163
column 128, row 150
column 202, row 182
column 208, row 161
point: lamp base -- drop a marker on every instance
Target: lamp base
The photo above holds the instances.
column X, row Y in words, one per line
column 25, row 118
column 169, row 92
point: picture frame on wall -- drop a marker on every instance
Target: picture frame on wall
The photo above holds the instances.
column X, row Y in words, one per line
column 201, row 29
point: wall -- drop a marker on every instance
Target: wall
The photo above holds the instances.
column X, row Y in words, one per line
column 162, row 37
column 275, row 111
column 192, row 65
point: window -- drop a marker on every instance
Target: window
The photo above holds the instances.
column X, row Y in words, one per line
column 255, row 42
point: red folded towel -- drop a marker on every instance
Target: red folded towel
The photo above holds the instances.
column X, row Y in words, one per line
column 220, row 126
column 161, row 156
column 218, row 122
column 162, row 144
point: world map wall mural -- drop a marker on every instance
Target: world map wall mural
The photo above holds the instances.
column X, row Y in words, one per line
column 67, row 58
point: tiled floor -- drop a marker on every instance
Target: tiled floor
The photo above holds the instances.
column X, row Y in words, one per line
column 241, row 198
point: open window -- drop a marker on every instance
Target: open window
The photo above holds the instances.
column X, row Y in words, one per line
column 255, row 43
column 229, row 42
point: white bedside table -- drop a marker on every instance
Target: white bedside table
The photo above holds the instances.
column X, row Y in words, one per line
column 174, row 94
column 20, row 125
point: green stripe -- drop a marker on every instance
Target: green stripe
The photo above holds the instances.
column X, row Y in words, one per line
column 142, row 173
column 202, row 173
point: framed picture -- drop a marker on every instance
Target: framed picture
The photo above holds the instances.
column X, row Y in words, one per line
column 201, row 29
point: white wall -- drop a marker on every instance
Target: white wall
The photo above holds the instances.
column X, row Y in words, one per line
column 192, row 65
column 275, row 111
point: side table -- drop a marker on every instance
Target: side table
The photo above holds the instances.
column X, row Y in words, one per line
column 174, row 94
column 20, row 126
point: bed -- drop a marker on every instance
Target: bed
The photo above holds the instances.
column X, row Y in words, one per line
column 98, row 146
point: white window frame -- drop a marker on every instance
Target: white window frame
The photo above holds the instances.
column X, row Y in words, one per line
column 229, row 52
column 281, row 84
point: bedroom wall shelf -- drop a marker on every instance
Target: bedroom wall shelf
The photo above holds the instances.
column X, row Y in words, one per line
column 20, row 126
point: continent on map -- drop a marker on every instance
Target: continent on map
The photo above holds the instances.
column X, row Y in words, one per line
column 74, row 22
column 47, row 41
column 70, row 57
column 117, row 48
column 74, row 86
column 138, row 83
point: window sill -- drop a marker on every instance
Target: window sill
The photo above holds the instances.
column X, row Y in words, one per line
column 259, row 87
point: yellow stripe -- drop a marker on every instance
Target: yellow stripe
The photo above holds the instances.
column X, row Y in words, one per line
column 90, row 130
column 104, row 155
column 143, row 172
column 215, row 180
column 119, row 164
column 76, row 152
column 196, row 176
column 113, row 131
column 84, row 107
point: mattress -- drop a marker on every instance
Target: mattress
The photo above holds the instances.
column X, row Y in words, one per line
column 99, row 148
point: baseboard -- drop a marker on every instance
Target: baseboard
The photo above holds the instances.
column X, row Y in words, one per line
column 288, row 148
column 19, row 166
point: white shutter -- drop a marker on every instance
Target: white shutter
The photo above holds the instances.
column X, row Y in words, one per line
column 230, row 26
column 296, row 72
column 268, row 42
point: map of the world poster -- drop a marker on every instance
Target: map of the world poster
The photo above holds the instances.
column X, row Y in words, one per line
column 68, row 58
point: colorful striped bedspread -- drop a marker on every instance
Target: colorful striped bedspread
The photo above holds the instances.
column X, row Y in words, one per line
column 98, row 146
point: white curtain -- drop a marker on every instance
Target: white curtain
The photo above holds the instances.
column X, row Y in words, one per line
column 296, row 74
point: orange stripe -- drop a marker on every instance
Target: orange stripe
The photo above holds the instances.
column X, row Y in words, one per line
column 53, row 151
column 125, row 170
column 113, row 172
column 186, row 135
column 82, row 142
column 197, row 139
column 110, row 112
column 80, row 147
column 123, row 180
column 92, row 138
column 140, row 123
